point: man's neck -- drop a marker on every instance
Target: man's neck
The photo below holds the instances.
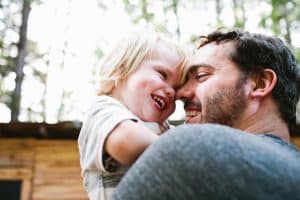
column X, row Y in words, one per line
column 265, row 120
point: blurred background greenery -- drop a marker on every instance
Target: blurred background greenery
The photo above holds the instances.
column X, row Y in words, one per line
column 50, row 49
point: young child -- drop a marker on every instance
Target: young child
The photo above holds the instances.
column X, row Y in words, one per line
column 136, row 96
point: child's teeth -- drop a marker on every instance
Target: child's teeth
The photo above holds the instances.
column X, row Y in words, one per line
column 161, row 102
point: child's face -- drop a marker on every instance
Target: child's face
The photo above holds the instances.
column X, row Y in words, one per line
column 149, row 92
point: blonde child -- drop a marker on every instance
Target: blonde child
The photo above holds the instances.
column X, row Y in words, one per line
column 136, row 96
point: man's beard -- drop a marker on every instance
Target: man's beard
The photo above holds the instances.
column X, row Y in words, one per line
column 226, row 106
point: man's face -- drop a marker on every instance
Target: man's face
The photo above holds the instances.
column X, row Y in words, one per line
column 215, row 90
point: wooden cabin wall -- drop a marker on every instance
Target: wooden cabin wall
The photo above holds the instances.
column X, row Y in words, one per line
column 16, row 163
column 57, row 171
column 48, row 169
column 296, row 141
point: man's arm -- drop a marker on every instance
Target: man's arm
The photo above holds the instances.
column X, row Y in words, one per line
column 128, row 140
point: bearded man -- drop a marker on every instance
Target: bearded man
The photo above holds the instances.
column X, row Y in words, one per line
column 240, row 99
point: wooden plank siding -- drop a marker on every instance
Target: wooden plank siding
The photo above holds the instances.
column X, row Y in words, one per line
column 48, row 169
column 16, row 163
column 57, row 171
column 296, row 141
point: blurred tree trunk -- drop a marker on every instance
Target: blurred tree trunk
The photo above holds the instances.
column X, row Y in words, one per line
column 287, row 34
column 65, row 94
column 243, row 12
column 239, row 13
column 175, row 10
column 44, row 81
column 282, row 16
column 218, row 13
column 145, row 13
column 16, row 97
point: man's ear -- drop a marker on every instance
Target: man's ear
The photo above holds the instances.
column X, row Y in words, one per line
column 263, row 83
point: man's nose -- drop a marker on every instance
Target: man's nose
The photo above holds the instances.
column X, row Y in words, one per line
column 185, row 92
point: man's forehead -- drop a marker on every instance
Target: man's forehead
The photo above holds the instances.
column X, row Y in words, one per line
column 202, row 57
column 210, row 55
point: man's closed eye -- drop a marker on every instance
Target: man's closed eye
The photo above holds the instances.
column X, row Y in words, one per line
column 202, row 76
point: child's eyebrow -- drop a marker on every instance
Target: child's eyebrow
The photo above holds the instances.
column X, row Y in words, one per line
column 164, row 68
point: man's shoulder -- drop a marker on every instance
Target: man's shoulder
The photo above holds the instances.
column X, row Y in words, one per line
column 279, row 141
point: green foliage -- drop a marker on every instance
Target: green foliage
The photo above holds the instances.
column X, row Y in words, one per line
column 99, row 53
column 7, row 62
column 297, row 55
column 165, row 16
column 8, row 66
column 128, row 6
column 239, row 24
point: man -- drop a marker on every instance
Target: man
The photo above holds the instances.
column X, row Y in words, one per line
column 246, row 81
column 249, row 85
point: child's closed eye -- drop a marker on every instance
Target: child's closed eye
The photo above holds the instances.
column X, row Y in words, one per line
column 163, row 74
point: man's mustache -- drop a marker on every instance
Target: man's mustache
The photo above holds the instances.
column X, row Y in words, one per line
column 192, row 104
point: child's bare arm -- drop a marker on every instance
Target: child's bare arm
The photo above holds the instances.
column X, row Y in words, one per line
column 128, row 140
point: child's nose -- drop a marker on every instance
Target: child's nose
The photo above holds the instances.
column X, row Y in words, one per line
column 170, row 93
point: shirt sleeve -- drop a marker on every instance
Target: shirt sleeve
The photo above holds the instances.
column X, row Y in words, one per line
column 101, row 119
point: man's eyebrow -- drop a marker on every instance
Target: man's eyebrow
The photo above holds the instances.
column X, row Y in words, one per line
column 195, row 67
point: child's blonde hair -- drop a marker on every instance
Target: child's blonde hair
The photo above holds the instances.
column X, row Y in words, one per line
column 127, row 56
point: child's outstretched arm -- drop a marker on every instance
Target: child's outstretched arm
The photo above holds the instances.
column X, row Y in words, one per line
column 128, row 140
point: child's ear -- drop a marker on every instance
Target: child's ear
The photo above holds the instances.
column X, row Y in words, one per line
column 263, row 83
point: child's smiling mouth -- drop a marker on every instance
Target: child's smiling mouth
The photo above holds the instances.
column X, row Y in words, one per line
column 159, row 102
